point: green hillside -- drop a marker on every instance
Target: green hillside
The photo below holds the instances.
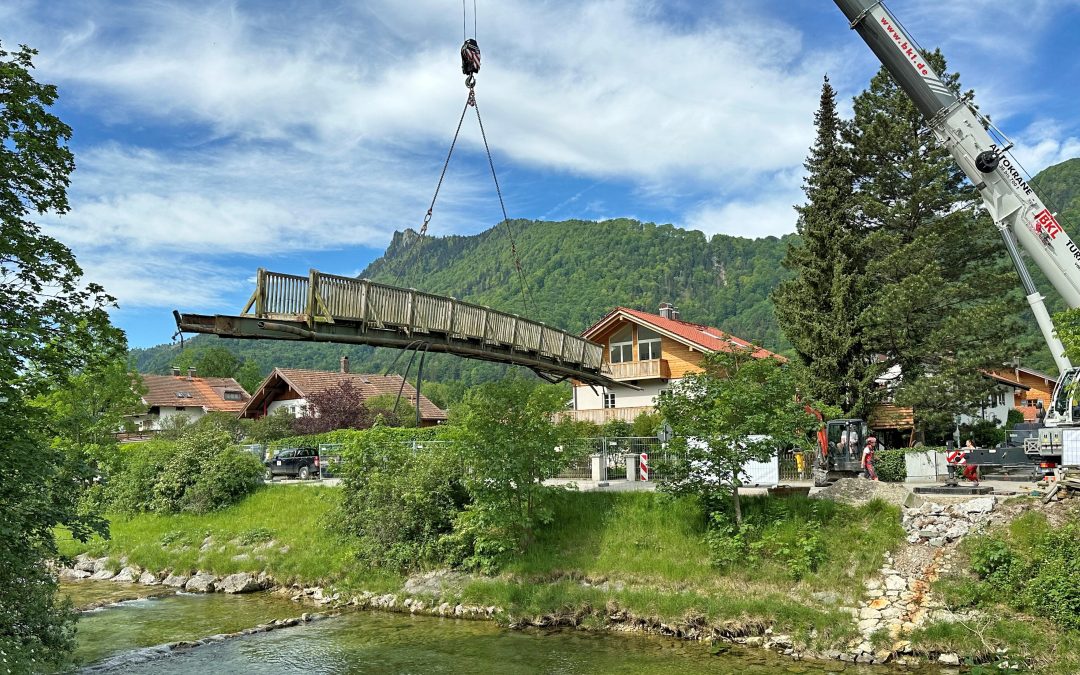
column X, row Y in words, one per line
column 577, row 271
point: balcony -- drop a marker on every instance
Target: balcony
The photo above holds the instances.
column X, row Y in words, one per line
column 602, row 415
column 639, row 370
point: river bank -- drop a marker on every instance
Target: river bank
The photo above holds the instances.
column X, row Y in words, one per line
column 623, row 563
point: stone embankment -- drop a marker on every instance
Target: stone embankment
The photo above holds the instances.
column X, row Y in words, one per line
column 899, row 600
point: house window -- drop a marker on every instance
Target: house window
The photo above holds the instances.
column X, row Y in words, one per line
column 180, row 407
column 233, row 396
column 997, row 398
column 622, row 346
column 1030, row 403
column 609, row 400
column 648, row 344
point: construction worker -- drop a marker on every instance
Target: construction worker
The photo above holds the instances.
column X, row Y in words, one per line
column 868, row 458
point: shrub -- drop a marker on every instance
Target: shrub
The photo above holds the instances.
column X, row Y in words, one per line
column 398, row 500
column 227, row 478
column 891, row 466
column 198, row 470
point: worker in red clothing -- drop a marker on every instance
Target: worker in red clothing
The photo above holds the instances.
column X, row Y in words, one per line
column 868, row 458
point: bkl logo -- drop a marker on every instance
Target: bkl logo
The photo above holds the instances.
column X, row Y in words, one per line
column 1046, row 224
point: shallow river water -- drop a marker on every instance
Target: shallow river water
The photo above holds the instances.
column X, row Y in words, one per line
column 375, row 642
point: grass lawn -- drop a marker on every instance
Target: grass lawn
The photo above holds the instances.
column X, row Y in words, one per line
column 281, row 529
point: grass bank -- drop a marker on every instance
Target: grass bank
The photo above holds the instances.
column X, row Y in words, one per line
column 281, row 529
column 646, row 553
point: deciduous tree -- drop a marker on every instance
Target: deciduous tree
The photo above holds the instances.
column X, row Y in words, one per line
column 337, row 407
column 508, row 439
column 52, row 325
column 738, row 409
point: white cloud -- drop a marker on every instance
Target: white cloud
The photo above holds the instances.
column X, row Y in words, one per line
column 1045, row 143
column 770, row 212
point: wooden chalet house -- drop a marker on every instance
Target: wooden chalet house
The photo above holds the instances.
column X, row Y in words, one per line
column 649, row 351
column 289, row 388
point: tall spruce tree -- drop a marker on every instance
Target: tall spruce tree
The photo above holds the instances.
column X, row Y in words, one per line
column 942, row 305
column 818, row 309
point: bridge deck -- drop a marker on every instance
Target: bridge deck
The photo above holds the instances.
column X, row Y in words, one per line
column 330, row 308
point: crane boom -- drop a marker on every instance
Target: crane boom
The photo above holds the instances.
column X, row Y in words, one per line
column 1021, row 217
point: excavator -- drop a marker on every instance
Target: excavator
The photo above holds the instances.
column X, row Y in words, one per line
column 1022, row 220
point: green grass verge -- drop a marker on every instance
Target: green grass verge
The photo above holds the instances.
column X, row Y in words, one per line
column 281, row 529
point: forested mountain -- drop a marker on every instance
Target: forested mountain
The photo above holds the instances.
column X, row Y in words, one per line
column 576, row 271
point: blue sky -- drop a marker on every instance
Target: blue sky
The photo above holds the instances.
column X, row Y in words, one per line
column 213, row 138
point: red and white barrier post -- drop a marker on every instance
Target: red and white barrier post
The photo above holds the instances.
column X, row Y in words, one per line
column 643, row 466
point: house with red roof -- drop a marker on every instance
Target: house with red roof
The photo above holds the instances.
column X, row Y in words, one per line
column 289, row 388
column 649, row 352
column 188, row 396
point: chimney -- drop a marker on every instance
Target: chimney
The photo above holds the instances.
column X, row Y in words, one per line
column 191, row 372
column 666, row 310
column 175, row 371
column 344, row 364
column 675, row 312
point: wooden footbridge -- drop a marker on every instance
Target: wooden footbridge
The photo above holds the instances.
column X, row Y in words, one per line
column 329, row 308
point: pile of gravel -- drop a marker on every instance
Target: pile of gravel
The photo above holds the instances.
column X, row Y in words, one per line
column 859, row 491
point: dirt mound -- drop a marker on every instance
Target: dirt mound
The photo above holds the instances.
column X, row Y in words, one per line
column 858, row 491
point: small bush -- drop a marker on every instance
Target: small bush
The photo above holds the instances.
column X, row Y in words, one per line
column 198, row 470
column 398, row 501
column 227, row 478
column 891, row 465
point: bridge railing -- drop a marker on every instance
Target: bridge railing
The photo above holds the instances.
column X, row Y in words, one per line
column 329, row 298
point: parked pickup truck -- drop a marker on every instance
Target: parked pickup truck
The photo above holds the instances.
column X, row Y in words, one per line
column 302, row 463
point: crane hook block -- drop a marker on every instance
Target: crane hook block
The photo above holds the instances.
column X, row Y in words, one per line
column 470, row 57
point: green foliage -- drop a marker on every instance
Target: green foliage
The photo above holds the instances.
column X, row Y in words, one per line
column 507, row 438
column 1031, row 566
column 255, row 535
column 273, row 427
column 943, row 295
column 737, row 409
column 197, row 471
column 797, row 538
column 890, row 465
column 646, row 424
column 399, row 499
column 404, row 416
column 1014, row 417
column 818, row 309
column 984, row 433
column 52, row 326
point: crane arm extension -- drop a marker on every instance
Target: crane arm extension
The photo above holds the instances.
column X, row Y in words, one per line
column 1017, row 211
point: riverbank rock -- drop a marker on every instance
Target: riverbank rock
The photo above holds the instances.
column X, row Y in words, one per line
column 69, row 574
column 175, row 581
column 127, row 575
column 201, row 583
column 148, row 578
column 239, row 583
column 436, row 582
column 102, row 575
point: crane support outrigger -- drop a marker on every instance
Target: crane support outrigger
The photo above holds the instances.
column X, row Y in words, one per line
column 1020, row 215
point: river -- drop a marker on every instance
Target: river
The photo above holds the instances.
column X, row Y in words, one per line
column 116, row 638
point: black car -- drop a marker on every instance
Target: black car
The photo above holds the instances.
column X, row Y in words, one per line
column 300, row 462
